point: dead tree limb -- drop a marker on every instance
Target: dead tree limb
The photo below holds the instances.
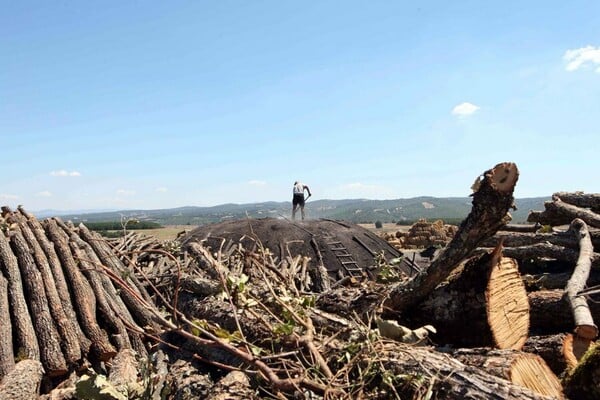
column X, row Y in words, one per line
column 580, row 199
column 51, row 354
column 7, row 357
column 557, row 212
column 85, row 301
column 546, row 250
column 59, row 278
column 585, row 326
column 64, row 325
column 492, row 200
column 26, row 340
column 23, row 382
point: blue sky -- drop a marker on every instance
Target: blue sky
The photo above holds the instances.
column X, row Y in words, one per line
column 165, row 104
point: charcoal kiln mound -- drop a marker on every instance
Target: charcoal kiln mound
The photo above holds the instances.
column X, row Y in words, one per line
column 342, row 248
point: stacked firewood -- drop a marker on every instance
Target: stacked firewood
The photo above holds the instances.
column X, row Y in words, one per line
column 422, row 234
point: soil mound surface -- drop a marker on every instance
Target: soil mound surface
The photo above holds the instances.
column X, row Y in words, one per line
column 343, row 248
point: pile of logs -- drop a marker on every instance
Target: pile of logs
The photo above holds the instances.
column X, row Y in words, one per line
column 86, row 318
column 422, row 234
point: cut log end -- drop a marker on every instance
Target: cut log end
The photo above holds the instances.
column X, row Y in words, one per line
column 507, row 305
column 531, row 371
column 504, row 176
column 574, row 347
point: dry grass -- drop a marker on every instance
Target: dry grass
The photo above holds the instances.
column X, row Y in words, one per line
column 168, row 232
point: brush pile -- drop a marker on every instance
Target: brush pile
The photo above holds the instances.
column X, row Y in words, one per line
column 86, row 318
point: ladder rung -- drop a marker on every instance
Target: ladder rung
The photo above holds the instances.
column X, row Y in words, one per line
column 348, row 262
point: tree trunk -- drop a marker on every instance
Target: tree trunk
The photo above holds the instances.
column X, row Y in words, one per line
column 585, row 326
column 7, row 357
column 550, row 313
column 546, row 250
column 64, row 325
column 548, row 347
column 580, row 199
column 51, row 355
column 550, row 281
column 561, row 239
column 23, row 382
column 83, row 295
column 528, row 370
column 557, row 212
column 491, row 202
column 26, row 341
column 59, row 279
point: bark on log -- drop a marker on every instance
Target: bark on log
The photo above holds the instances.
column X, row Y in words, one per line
column 528, row 370
column 492, row 200
column 550, row 313
column 26, row 341
column 550, row 281
column 557, row 212
column 48, row 338
column 143, row 317
column 546, row 251
column 59, row 279
column 23, row 382
column 520, row 228
column 83, row 295
column 584, row 382
column 64, row 325
column 233, row 386
column 518, row 239
column 446, row 377
column 7, row 357
column 580, row 199
column 104, row 309
column 548, row 347
column 585, row 326
column 124, row 370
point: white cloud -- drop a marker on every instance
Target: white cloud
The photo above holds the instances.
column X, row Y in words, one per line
column 125, row 192
column 255, row 182
column 63, row 172
column 8, row 197
column 44, row 193
column 464, row 109
column 162, row 189
column 577, row 58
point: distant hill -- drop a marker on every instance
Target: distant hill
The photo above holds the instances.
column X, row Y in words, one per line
column 450, row 209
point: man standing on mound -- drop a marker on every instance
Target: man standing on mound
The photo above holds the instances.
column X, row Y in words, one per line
column 298, row 199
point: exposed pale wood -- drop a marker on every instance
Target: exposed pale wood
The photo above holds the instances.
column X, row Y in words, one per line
column 26, row 340
column 48, row 338
column 23, row 382
column 573, row 349
column 549, row 347
column 585, row 326
column 59, row 279
column 7, row 357
column 64, row 325
column 85, row 301
column 507, row 305
column 528, row 370
column 557, row 212
column 124, row 370
column 492, row 200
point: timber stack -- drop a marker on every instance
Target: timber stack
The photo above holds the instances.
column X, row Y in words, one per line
column 82, row 317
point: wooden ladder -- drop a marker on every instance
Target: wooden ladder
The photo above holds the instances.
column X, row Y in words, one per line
column 349, row 265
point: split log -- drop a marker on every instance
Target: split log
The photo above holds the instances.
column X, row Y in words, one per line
column 7, row 357
column 484, row 303
column 442, row 375
column 585, row 326
column 549, row 347
column 51, row 354
column 557, row 212
column 85, row 301
column 580, row 199
column 492, row 200
column 23, row 382
column 64, row 325
column 26, row 341
column 583, row 382
column 528, row 370
column 59, row 279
